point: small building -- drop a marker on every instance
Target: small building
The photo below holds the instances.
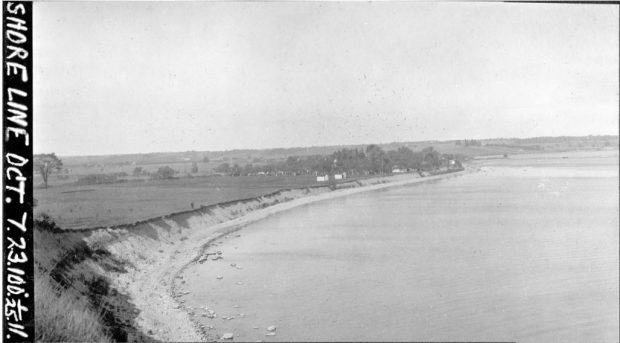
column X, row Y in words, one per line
column 397, row 170
column 338, row 177
column 322, row 178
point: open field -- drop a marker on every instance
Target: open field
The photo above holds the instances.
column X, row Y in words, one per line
column 112, row 204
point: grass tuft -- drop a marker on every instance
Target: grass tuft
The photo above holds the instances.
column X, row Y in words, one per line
column 61, row 316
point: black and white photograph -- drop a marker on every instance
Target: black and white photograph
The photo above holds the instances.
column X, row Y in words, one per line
column 324, row 171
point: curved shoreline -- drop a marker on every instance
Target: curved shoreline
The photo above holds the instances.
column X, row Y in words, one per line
column 137, row 268
column 203, row 239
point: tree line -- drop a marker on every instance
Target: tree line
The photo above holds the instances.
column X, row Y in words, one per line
column 371, row 160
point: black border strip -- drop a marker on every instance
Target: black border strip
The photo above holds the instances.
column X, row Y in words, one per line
column 17, row 171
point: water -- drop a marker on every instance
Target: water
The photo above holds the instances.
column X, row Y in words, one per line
column 524, row 250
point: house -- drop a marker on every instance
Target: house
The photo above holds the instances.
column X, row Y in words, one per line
column 397, row 170
column 337, row 176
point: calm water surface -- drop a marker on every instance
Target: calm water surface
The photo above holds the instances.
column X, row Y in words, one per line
column 524, row 250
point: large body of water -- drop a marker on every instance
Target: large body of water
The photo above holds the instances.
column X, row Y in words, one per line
column 524, row 250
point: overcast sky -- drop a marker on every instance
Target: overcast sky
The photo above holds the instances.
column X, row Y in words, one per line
column 120, row 77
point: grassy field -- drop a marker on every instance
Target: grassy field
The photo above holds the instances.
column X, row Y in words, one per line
column 112, row 204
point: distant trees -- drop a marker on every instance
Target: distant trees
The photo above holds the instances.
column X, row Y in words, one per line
column 348, row 160
column 235, row 170
column 430, row 157
column 248, row 169
column 405, row 158
column 194, row 167
column 469, row 142
column 378, row 161
column 222, row 168
column 45, row 164
column 164, row 173
column 370, row 160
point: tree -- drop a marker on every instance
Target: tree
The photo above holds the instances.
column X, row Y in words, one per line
column 222, row 168
column 45, row 164
column 431, row 157
column 235, row 170
column 164, row 173
column 194, row 167
column 377, row 159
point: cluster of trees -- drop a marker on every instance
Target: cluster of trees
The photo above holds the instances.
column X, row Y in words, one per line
column 469, row 142
column 163, row 173
column 139, row 171
column 375, row 160
column 372, row 160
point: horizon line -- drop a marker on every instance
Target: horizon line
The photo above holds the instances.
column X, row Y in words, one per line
column 325, row 146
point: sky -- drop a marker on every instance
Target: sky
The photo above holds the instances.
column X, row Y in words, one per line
column 137, row 77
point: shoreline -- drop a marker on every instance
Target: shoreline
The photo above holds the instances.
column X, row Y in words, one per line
column 203, row 241
column 137, row 268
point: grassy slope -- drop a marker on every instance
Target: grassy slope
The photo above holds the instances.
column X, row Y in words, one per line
column 63, row 316
column 75, row 297
column 62, row 312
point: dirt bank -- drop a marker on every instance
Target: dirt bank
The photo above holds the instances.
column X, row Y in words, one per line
column 128, row 273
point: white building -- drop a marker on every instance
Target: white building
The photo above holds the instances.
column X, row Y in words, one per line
column 322, row 178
